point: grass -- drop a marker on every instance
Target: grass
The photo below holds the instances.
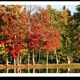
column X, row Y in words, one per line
column 42, row 66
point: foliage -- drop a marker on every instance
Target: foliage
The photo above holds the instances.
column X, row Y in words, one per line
column 47, row 30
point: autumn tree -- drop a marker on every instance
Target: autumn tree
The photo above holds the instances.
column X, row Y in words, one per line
column 52, row 44
column 64, row 23
column 13, row 29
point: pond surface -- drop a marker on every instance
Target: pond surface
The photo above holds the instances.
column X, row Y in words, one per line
column 56, row 70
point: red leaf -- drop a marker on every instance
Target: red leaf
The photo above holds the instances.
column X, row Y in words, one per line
column 14, row 56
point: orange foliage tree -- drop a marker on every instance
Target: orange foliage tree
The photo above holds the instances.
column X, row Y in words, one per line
column 49, row 37
column 13, row 28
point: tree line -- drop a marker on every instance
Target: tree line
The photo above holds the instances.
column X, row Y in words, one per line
column 30, row 34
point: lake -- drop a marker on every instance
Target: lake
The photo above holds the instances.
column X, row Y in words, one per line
column 54, row 70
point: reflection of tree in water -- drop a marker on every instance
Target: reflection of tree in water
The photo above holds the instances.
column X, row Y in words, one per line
column 52, row 70
column 74, row 70
column 68, row 70
column 62, row 71
column 56, row 70
column 2, row 60
column 3, row 71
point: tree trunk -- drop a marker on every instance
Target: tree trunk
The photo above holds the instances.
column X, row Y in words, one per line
column 56, row 57
column 47, row 59
column 68, row 60
column 28, row 62
column 14, row 65
column 39, row 57
column 18, row 60
column 28, row 59
column 14, row 62
column 6, row 59
column 33, row 58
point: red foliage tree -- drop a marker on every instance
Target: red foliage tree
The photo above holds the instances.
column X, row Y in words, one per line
column 14, row 29
column 53, row 43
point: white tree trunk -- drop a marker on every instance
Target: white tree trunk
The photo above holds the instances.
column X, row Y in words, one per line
column 33, row 58
column 6, row 59
column 56, row 57
column 14, row 62
column 47, row 59
column 20, row 64
column 14, row 65
column 18, row 60
column 68, row 60
column 28, row 62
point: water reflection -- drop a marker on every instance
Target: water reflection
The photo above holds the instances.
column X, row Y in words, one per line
column 55, row 70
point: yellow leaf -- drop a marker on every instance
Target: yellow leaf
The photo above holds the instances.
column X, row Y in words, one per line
column 23, row 51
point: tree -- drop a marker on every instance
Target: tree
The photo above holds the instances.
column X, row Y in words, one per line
column 65, row 24
column 30, row 10
column 33, row 40
column 52, row 44
column 13, row 29
column 42, row 17
column 77, row 15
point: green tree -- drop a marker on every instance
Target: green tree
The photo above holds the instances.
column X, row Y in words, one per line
column 64, row 23
column 77, row 15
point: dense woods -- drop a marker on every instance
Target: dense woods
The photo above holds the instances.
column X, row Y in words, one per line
column 34, row 35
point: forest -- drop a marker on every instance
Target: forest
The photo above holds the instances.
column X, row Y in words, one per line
column 30, row 34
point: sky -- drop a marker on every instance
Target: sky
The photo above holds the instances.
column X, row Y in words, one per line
column 72, row 8
column 71, row 5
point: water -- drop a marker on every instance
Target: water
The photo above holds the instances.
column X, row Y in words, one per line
column 54, row 70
